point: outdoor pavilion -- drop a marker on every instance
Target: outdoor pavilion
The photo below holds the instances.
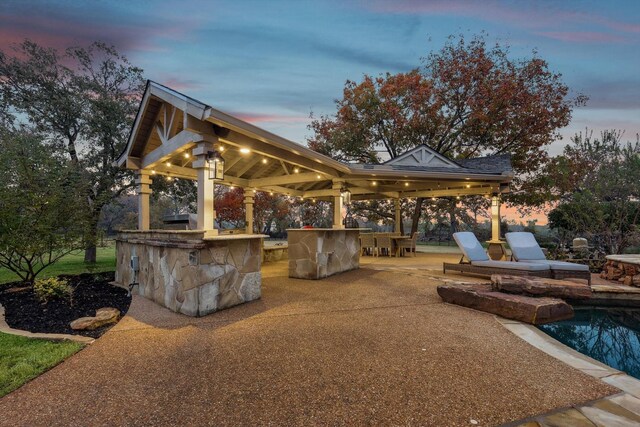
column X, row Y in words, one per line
column 176, row 136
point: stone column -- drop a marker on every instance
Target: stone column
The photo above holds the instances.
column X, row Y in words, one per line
column 398, row 216
column 337, row 205
column 495, row 218
column 143, row 181
column 206, row 186
column 249, row 194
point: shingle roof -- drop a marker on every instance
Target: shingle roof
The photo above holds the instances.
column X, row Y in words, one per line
column 490, row 164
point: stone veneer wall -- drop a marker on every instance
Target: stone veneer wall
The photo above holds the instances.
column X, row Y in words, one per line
column 186, row 274
column 318, row 253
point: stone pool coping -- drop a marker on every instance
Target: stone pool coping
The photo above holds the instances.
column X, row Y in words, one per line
column 632, row 259
column 5, row 328
column 621, row 408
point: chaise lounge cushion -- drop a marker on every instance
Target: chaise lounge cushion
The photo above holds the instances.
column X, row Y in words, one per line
column 524, row 246
column 559, row 265
column 511, row 265
column 471, row 248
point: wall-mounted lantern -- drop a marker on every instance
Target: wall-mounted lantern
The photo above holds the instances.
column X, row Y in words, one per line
column 346, row 195
column 216, row 165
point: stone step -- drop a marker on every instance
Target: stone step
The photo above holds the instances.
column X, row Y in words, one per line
column 536, row 311
column 541, row 287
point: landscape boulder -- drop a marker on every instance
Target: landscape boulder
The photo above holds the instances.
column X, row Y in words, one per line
column 104, row 316
column 541, row 287
column 535, row 311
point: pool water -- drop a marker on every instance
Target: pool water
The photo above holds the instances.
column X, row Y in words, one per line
column 610, row 335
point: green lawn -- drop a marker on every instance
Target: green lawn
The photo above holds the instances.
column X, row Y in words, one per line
column 72, row 264
column 22, row 359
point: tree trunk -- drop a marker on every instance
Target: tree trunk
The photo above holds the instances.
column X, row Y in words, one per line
column 416, row 215
column 452, row 217
column 91, row 238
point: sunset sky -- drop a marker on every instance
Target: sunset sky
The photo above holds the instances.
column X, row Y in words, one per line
column 274, row 62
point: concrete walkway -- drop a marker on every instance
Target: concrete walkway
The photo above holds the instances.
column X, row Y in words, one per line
column 372, row 346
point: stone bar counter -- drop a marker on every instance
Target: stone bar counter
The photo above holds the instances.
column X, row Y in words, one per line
column 321, row 252
column 188, row 272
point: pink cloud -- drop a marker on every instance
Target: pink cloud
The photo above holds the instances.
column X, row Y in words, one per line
column 618, row 26
column 535, row 15
column 179, row 84
column 531, row 15
column 60, row 32
column 581, row 36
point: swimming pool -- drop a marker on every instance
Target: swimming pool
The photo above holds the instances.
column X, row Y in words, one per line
column 610, row 335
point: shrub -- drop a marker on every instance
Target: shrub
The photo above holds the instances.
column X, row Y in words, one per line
column 52, row 289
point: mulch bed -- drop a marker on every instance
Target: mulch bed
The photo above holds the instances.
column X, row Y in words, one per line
column 91, row 292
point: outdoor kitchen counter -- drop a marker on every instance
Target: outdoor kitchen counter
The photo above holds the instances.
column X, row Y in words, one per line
column 190, row 272
column 316, row 253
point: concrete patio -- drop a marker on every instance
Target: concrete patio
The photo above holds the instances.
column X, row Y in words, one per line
column 371, row 346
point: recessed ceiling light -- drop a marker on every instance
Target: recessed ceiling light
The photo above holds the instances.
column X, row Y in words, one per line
column 245, row 150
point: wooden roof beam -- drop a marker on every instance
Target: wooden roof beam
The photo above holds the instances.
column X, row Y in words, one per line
column 239, row 140
column 176, row 145
column 295, row 178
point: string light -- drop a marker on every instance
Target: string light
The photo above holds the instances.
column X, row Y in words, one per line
column 296, row 170
column 168, row 164
column 245, row 150
column 374, row 183
column 264, row 161
column 186, row 155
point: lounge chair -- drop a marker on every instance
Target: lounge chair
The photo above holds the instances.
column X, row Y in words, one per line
column 525, row 248
column 479, row 263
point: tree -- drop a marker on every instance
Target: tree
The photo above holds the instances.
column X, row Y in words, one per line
column 596, row 183
column 40, row 207
column 271, row 210
column 229, row 204
column 467, row 100
column 84, row 101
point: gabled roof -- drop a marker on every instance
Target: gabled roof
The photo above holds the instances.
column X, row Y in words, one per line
column 422, row 156
column 169, row 124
